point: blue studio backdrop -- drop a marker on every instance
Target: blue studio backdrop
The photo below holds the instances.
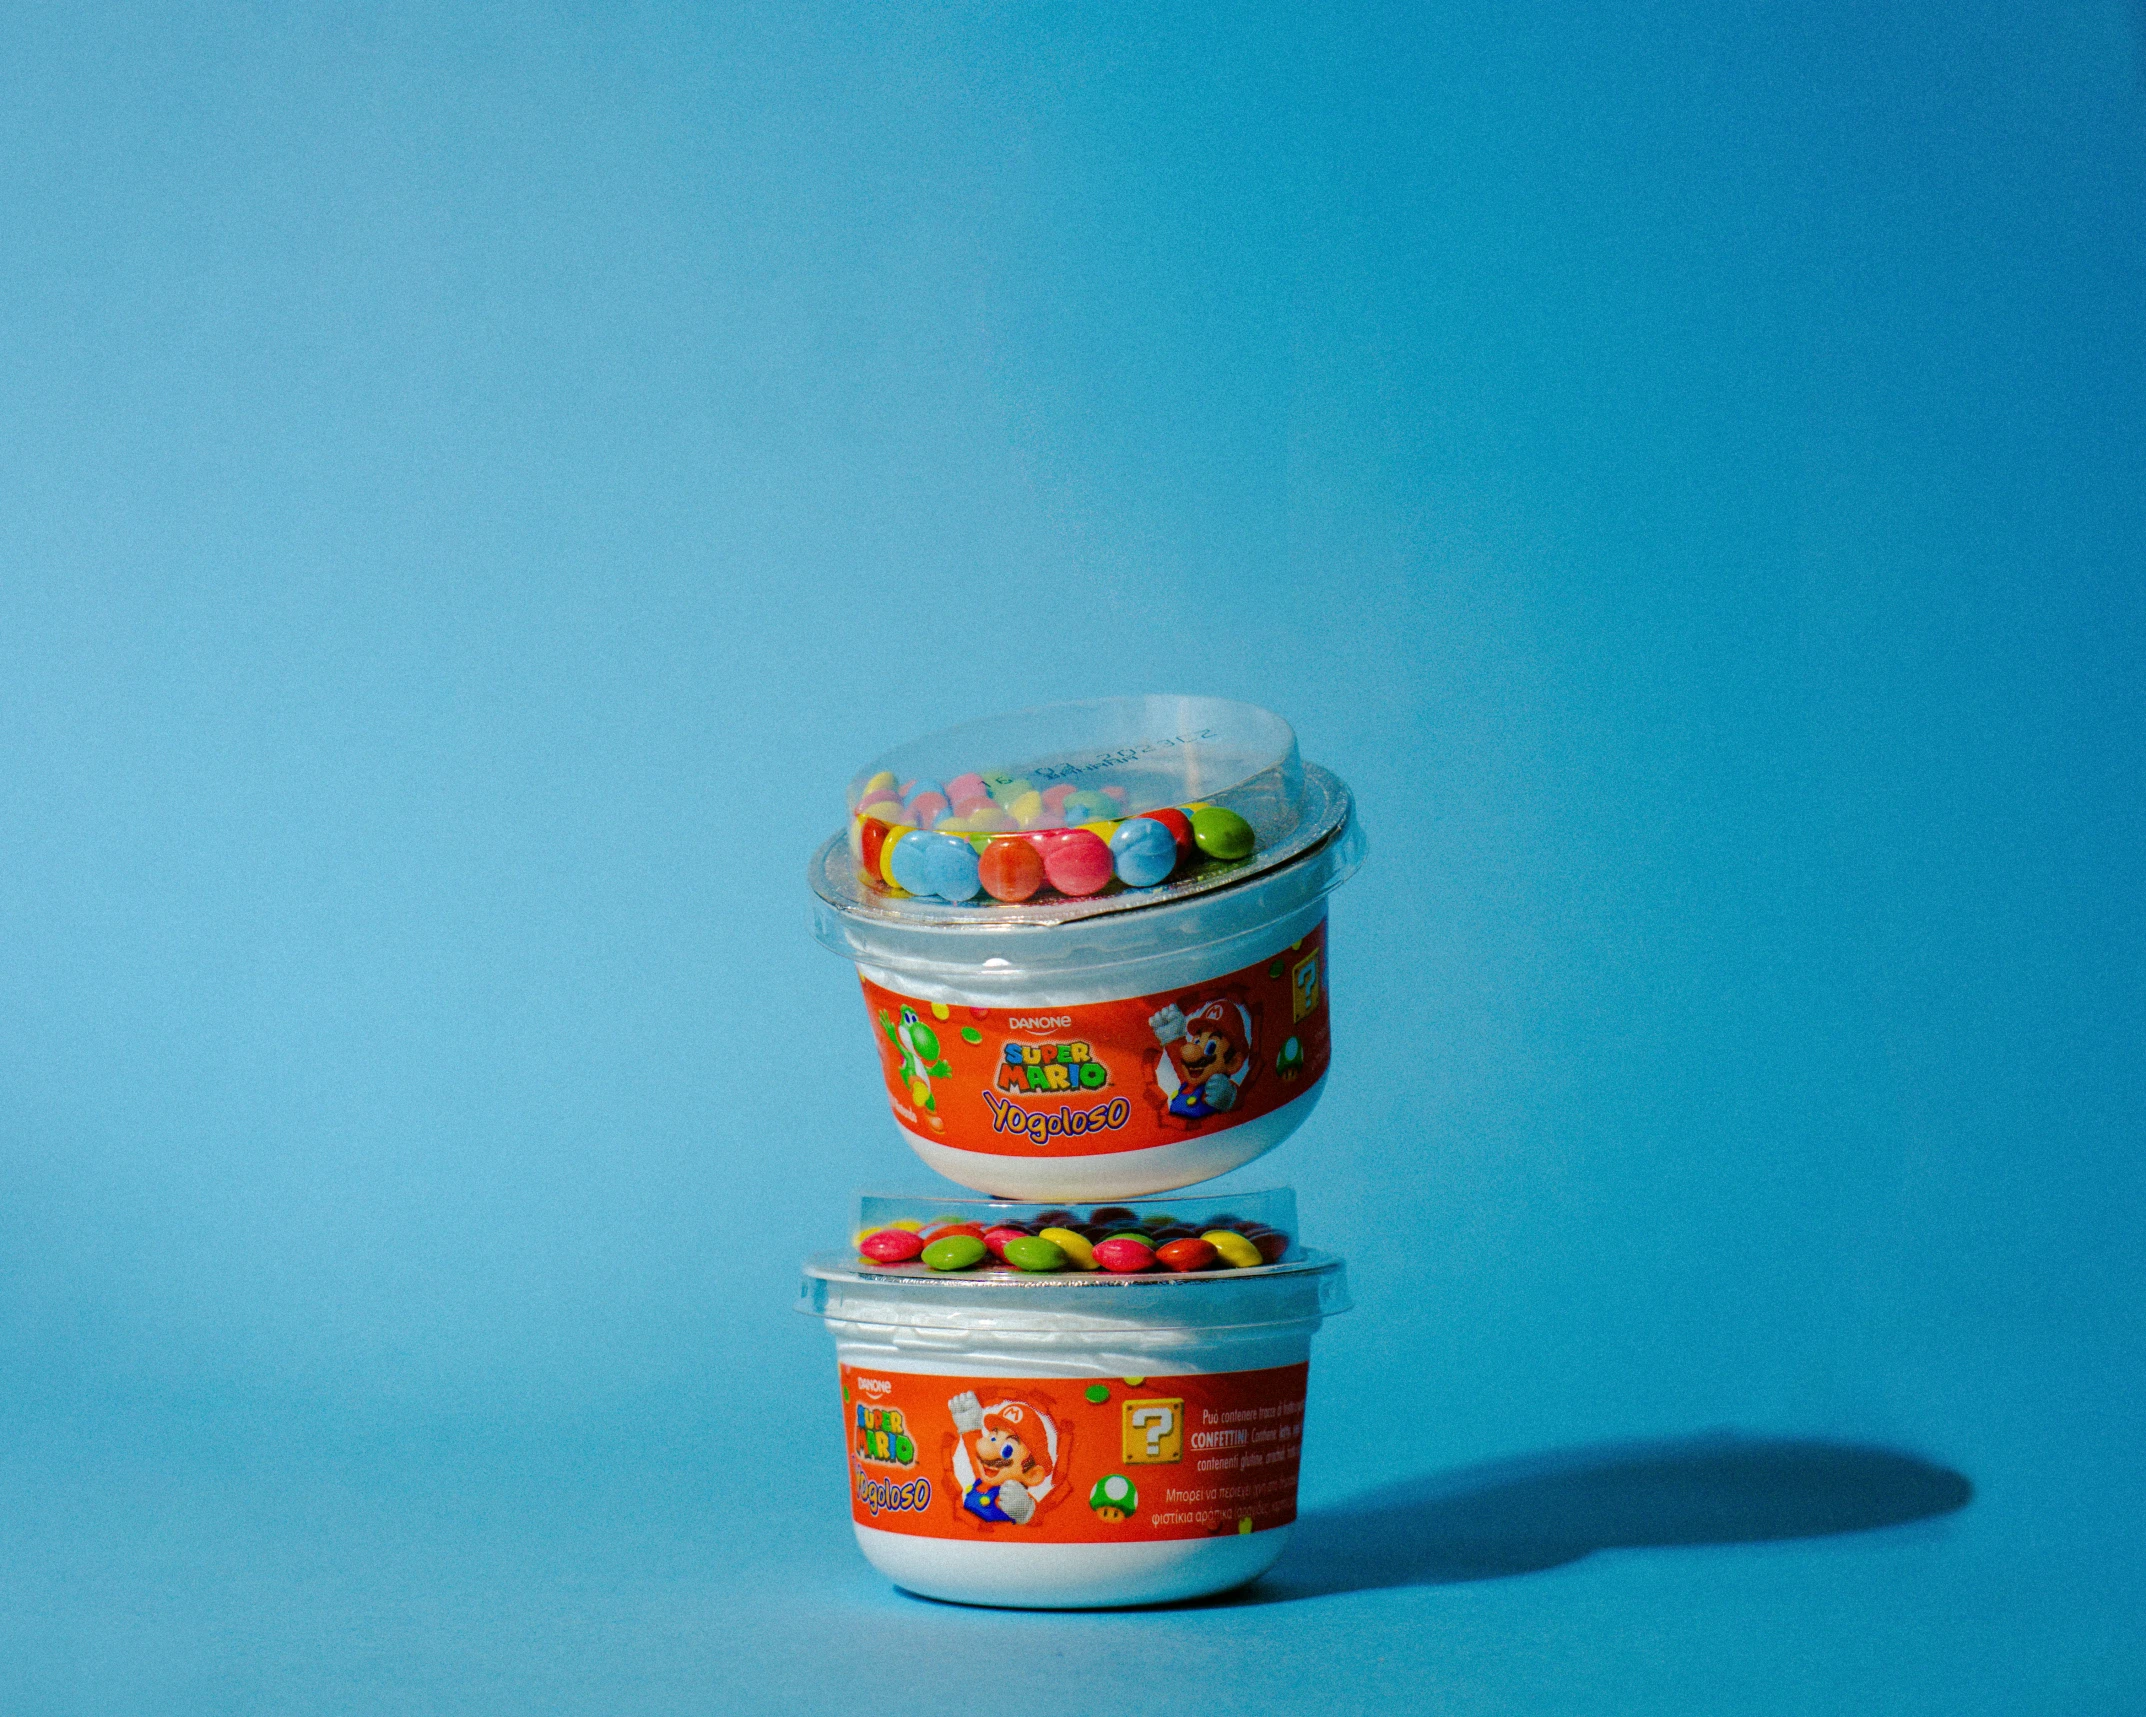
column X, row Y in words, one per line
column 474, row 481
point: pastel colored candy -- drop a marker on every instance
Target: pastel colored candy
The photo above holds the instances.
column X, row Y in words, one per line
column 883, row 782
column 1087, row 805
column 1179, row 825
column 1077, row 863
column 891, row 1246
column 955, row 1252
column 1115, row 792
column 1144, row 851
column 1010, row 870
column 908, row 856
column 894, row 839
column 1005, row 788
column 1122, row 1255
column 975, row 805
column 950, row 867
column 1034, row 1252
column 1028, row 810
column 969, row 786
column 1233, row 1248
column 1057, row 794
column 1078, row 1252
column 927, row 808
column 990, row 818
column 1220, row 833
column 924, row 785
column 1186, row 1255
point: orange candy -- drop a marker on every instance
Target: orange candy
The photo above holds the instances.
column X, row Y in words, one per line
column 1010, row 870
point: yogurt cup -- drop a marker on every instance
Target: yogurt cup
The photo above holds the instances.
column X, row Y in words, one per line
column 1073, row 1441
column 1128, row 1041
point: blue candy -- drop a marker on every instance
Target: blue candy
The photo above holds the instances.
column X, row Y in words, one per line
column 911, row 857
column 1144, row 852
column 950, row 866
column 917, row 790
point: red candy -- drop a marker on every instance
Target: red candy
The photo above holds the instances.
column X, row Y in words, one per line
column 1271, row 1243
column 1122, row 1255
column 1078, row 863
column 941, row 1232
column 1011, row 870
column 1184, row 1256
column 871, row 836
column 995, row 1240
column 1180, row 827
column 891, row 1246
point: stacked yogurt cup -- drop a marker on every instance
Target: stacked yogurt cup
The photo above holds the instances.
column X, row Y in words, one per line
column 1092, row 944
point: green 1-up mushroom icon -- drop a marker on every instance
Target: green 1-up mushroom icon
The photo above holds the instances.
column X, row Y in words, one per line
column 1114, row 1497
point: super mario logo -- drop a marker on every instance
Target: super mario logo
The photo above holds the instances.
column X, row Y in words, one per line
column 881, row 1435
column 1050, row 1069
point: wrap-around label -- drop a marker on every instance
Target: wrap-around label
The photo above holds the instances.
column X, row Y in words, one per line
column 1071, row 1460
column 1093, row 1078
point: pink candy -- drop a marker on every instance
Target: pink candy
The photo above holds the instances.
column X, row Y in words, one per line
column 1077, row 862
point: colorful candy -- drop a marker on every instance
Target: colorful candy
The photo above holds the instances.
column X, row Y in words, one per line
column 1078, row 1252
column 1220, row 833
column 1143, row 851
column 891, row 1246
column 1077, row 863
column 1139, row 851
column 1114, row 1238
column 1010, row 870
column 1233, row 1248
column 1124, row 1255
column 955, row 1252
column 1186, row 1255
column 1034, row 1252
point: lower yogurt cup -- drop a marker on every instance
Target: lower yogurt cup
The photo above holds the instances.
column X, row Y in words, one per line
column 1126, row 1043
column 1073, row 1442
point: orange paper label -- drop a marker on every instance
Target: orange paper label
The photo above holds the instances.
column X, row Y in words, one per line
column 1067, row 1461
column 1099, row 1077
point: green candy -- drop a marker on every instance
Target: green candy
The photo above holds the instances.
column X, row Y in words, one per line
column 955, row 1252
column 1221, row 834
column 1033, row 1252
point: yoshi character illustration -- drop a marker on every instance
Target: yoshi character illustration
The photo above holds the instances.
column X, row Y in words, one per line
column 916, row 1050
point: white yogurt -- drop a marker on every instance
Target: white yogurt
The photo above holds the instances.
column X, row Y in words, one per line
column 1180, row 1397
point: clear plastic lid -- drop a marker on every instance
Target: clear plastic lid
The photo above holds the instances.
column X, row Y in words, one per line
column 1067, row 780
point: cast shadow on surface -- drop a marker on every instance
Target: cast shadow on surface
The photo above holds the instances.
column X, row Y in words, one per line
column 1543, row 1511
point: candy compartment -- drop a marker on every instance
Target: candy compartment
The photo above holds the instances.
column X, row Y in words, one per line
column 1181, row 1235
column 1078, row 801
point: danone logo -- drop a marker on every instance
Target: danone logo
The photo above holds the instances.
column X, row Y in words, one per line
column 1050, row 1069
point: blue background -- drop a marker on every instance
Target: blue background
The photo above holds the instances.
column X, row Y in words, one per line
column 474, row 480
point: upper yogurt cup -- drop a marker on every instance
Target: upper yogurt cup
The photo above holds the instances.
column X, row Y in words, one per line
column 1132, row 1038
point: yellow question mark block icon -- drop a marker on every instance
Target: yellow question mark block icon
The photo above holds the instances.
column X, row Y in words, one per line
column 1154, row 1430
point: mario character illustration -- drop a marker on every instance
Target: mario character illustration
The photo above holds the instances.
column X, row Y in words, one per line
column 1008, row 1452
column 1206, row 1057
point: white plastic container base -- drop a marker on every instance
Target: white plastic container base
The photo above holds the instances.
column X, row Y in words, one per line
column 1152, row 1425
column 1130, row 1042
column 1130, row 1174
column 1072, row 1576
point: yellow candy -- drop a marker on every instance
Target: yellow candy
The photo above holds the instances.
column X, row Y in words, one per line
column 1026, row 809
column 1234, row 1248
column 886, row 855
column 1102, row 831
column 1078, row 1252
column 912, row 1227
column 883, row 782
